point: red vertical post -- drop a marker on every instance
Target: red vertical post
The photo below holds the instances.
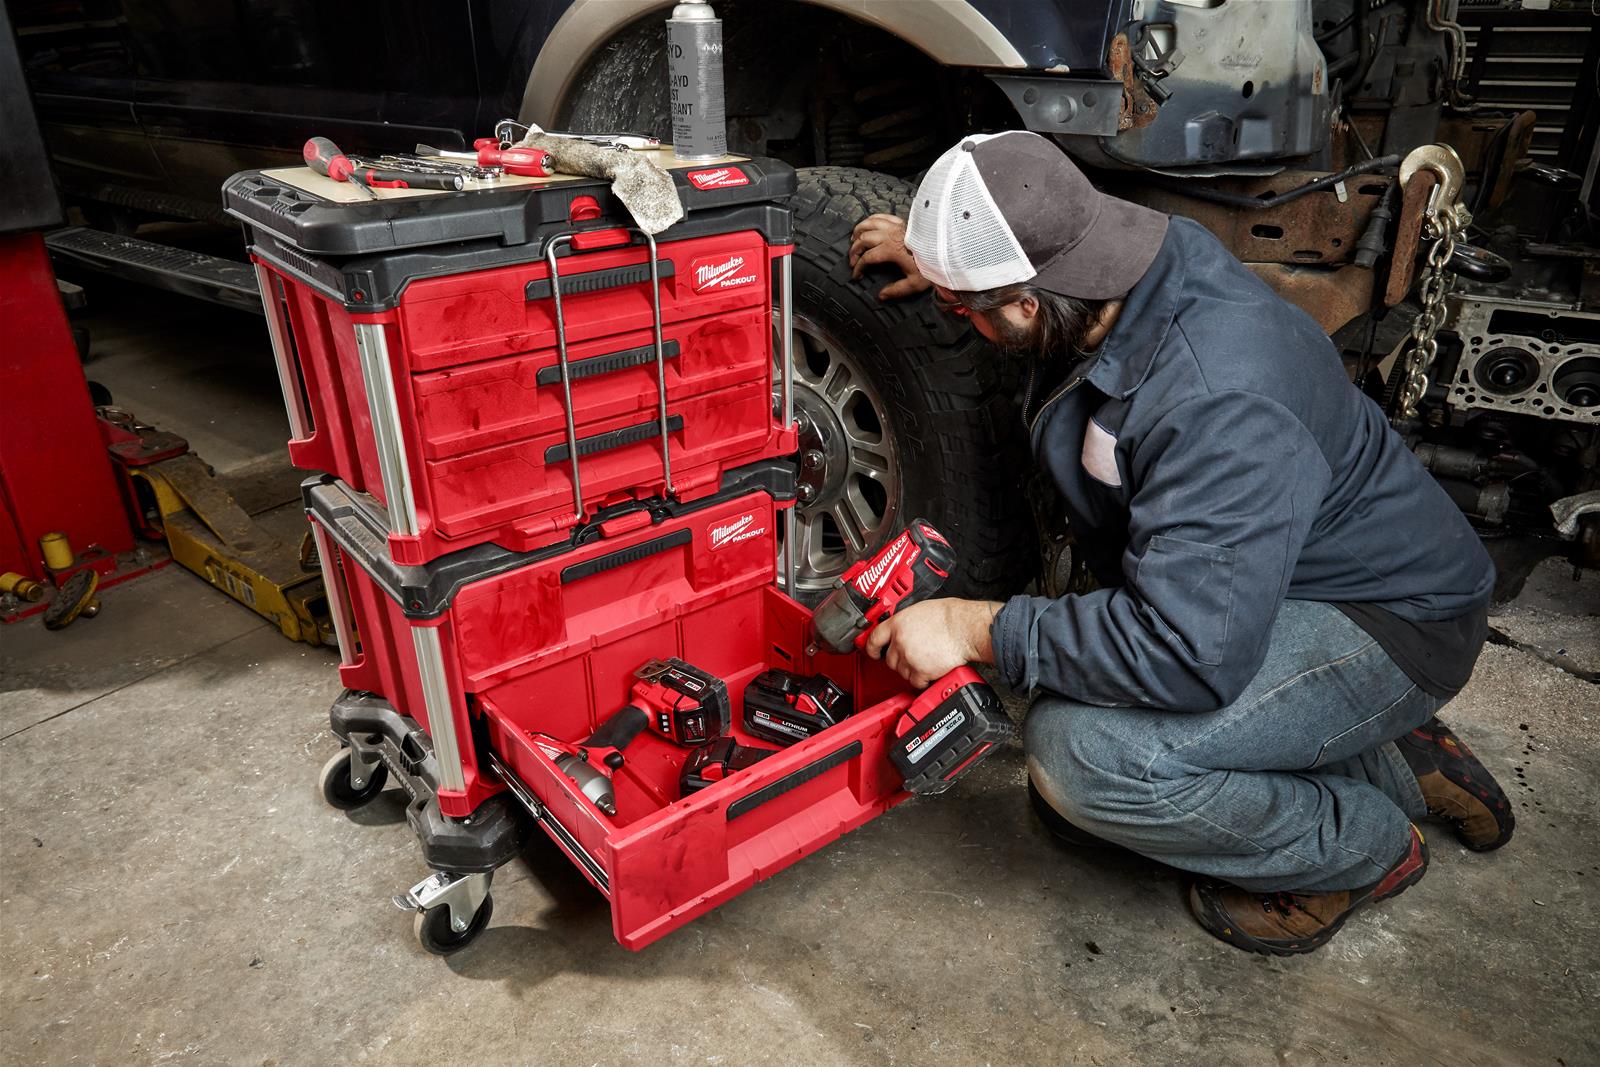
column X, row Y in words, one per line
column 54, row 470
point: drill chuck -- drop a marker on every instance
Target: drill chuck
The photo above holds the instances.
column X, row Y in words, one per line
column 592, row 783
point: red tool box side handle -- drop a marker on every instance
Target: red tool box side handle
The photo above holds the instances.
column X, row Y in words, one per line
column 310, row 444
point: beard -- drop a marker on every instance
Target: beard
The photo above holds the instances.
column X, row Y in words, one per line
column 1057, row 331
column 1015, row 340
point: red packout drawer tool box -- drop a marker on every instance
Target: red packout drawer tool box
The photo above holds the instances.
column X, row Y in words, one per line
column 504, row 657
column 499, row 365
column 431, row 638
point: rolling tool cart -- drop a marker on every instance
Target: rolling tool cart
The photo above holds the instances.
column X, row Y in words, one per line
column 554, row 460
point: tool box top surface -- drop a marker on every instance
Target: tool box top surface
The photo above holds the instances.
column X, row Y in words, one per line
column 316, row 215
column 342, row 192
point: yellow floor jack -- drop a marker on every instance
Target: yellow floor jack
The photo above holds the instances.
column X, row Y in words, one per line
column 246, row 536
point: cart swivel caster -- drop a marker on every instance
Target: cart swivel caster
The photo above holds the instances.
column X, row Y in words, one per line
column 348, row 781
column 452, row 909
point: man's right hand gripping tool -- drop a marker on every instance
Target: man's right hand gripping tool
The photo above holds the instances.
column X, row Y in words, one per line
column 910, row 568
column 958, row 720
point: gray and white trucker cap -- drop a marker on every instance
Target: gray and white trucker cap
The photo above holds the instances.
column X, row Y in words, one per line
column 1003, row 208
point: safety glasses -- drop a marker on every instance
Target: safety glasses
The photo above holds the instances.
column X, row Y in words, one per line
column 947, row 303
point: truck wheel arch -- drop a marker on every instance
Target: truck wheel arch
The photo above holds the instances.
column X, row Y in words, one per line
column 950, row 32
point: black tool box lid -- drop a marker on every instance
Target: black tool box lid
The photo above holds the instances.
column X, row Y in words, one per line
column 359, row 525
column 364, row 252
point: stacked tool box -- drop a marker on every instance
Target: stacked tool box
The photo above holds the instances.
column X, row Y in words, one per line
column 553, row 449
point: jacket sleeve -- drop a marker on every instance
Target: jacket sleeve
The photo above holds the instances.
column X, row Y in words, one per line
column 1226, row 487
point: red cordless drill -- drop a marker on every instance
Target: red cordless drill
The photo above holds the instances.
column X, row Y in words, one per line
column 675, row 699
column 910, row 568
column 951, row 725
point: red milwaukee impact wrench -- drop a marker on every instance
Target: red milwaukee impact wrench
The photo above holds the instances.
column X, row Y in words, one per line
column 910, row 568
column 956, row 721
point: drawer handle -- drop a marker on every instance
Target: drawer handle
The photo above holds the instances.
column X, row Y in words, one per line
column 793, row 780
column 622, row 557
column 595, row 280
column 628, row 435
column 594, row 366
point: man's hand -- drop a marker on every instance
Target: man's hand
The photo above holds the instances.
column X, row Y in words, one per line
column 926, row 641
column 882, row 239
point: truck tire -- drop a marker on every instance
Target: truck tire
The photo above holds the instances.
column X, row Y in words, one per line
column 901, row 409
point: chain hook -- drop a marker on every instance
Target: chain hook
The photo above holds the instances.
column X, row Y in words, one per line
column 1445, row 222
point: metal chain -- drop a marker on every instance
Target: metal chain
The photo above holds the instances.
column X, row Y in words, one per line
column 1444, row 225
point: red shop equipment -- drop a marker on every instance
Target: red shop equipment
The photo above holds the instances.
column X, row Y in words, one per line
column 490, row 663
column 553, row 455
column 500, row 365
column 54, row 474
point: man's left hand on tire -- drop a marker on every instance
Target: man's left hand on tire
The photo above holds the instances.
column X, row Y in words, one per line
column 880, row 239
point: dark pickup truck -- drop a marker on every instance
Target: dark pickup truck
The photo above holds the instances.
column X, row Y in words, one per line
column 1228, row 111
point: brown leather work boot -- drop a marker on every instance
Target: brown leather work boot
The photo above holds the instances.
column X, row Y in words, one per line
column 1286, row 924
column 1458, row 788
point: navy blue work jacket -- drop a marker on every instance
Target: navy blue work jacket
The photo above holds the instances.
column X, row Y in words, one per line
column 1215, row 460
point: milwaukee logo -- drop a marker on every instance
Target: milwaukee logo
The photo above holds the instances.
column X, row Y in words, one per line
column 873, row 577
column 719, row 178
column 721, row 273
column 740, row 529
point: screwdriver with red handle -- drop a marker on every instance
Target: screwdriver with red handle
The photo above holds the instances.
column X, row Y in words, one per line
column 324, row 157
column 529, row 162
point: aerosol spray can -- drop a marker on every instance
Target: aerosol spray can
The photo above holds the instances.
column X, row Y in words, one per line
column 694, row 70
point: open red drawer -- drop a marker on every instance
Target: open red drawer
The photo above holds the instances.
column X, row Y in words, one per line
column 663, row 865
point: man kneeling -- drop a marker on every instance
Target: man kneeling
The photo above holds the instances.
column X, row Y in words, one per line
column 1286, row 597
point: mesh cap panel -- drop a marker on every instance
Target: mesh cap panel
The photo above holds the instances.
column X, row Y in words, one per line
column 956, row 231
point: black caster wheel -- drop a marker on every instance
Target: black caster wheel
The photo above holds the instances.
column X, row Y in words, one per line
column 340, row 792
column 433, row 928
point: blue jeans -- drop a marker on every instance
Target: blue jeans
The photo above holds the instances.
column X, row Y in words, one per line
column 1296, row 785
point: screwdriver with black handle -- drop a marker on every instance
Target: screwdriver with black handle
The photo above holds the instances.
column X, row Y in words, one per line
column 324, row 157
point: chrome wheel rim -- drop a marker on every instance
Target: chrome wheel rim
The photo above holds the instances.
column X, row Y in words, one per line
column 849, row 478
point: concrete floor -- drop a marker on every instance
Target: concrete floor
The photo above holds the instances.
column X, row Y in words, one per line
column 173, row 889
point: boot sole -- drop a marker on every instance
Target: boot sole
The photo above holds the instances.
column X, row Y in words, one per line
column 1481, row 785
column 1214, row 923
